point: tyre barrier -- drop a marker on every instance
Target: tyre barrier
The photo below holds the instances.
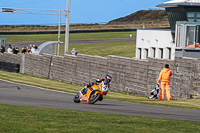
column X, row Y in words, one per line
column 10, row 67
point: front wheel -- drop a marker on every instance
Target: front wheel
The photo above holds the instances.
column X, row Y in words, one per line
column 94, row 97
column 76, row 98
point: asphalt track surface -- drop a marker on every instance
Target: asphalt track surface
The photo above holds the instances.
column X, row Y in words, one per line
column 18, row 94
column 26, row 44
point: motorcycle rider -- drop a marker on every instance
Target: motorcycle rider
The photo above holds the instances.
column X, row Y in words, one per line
column 105, row 84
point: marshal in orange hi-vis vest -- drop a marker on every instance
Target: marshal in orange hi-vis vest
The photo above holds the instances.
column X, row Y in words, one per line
column 164, row 77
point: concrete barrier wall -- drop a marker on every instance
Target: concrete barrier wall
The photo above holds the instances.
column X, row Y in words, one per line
column 189, row 76
column 37, row 65
column 130, row 75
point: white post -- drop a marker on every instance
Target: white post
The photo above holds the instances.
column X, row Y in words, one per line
column 59, row 33
column 67, row 28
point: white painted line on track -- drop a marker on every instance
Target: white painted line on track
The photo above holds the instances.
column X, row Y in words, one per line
column 38, row 87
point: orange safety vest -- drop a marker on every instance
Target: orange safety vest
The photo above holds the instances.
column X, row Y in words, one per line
column 165, row 75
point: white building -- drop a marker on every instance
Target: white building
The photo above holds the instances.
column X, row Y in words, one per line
column 156, row 43
column 184, row 19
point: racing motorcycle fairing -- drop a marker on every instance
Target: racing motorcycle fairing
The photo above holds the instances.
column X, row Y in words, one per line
column 92, row 94
column 93, row 90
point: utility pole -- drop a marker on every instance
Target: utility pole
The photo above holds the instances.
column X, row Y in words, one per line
column 59, row 33
column 67, row 28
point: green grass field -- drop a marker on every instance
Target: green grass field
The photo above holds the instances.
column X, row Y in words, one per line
column 126, row 49
column 73, row 36
column 21, row 119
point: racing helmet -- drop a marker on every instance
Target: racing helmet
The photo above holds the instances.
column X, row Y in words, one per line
column 108, row 78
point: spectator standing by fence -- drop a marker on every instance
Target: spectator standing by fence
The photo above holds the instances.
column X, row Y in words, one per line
column 2, row 49
column 74, row 52
column 24, row 50
column 16, row 50
column 34, row 49
column 9, row 50
column 28, row 49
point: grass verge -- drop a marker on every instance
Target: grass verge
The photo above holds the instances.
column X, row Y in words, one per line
column 72, row 36
column 67, row 87
column 126, row 49
column 21, row 119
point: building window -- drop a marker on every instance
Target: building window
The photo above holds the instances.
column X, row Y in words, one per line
column 153, row 52
column 146, row 53
column 139, row 53
column 160, row 53
column 168, row 53
column 188, row 35
column 193, row 16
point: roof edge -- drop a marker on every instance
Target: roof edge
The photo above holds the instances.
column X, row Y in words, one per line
column 164, row 5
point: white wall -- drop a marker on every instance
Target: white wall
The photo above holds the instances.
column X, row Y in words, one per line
column 160, row 39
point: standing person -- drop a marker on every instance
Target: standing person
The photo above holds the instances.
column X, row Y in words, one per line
column 28, row 49
column 2, row 50
column 9, row 50
column 24, row 50
column 16, row 50
column 33, row 49
column 164, row 77
column 74, row 52
column 36, row 49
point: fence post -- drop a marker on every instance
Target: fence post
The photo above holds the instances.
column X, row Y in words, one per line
column 23, row 63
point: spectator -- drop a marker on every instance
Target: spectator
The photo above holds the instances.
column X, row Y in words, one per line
column 29, row 49
column 24, row 50
column 2, row 50
column 9, row 50
column 13, row 50
column 16, row 50
column 34, row 49
column 74, row 52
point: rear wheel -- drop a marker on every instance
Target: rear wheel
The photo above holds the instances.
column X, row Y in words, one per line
column 76, row 98
column 94, row 97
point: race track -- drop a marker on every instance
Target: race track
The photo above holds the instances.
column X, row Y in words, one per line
column 18, row 94
column 26, row 44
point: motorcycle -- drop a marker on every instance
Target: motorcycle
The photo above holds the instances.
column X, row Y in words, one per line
column 92, row 94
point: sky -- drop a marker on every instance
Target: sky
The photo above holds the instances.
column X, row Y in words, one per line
column 81, row 11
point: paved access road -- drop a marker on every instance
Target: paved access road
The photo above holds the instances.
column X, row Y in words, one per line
column 17, row 94
column 26, row 44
